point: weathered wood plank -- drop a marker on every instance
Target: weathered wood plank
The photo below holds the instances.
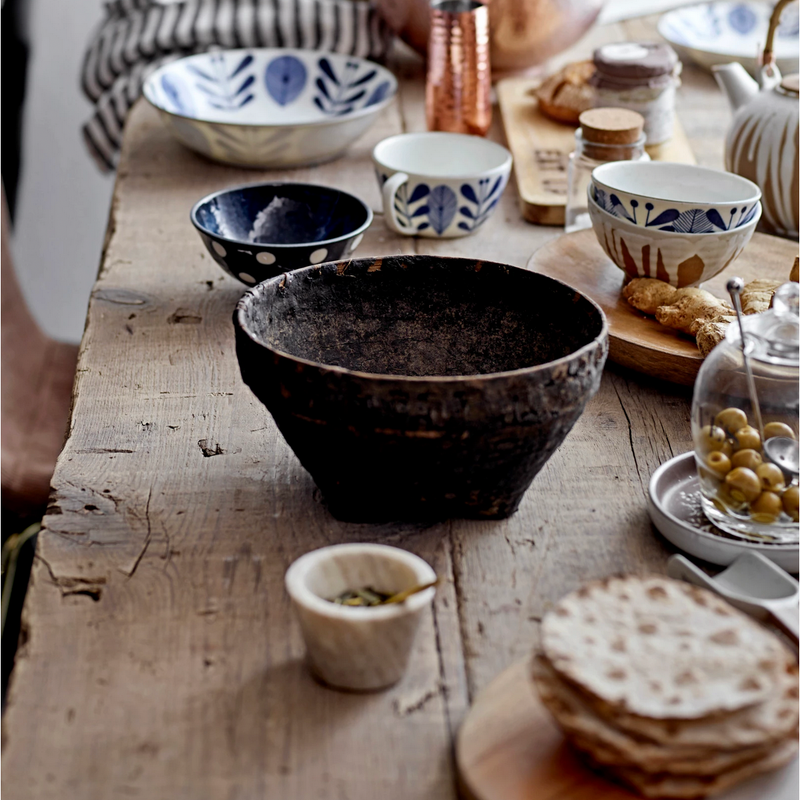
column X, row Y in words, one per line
column 159, row 654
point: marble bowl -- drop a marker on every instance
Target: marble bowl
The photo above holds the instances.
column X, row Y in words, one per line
column 676, row 198
column 270, row 107
column 421, row 387
column 358, row 648
column 261, row 230
column 680, row 259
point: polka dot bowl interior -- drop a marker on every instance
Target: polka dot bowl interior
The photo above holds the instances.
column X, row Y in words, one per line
column 258, row 231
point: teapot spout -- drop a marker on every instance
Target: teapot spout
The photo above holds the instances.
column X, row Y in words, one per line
column 737, row 85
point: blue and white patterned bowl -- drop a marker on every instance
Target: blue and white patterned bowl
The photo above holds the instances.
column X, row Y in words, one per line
column 722, row 32
column 680, row 259
column 261, row 230
column 678, row 198
column 269, row 107
column 440, row 185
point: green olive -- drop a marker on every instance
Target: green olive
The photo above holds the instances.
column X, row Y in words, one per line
column 771, row 477
column 743, row 484
column 772, row 429
column 718, row 463
column 713, row 438
column 747, row 438
column 790, row 503
column 766, row 507
column 747, row 458
column 732, row 419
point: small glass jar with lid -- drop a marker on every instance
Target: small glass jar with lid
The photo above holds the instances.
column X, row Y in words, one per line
column 605, row 134
column 744, row 490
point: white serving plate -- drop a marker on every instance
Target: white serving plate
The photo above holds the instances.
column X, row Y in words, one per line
column 674, row 506
column 722, row 32
column 269, row 107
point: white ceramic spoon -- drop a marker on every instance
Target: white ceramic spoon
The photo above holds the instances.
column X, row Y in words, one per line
column 753, row 584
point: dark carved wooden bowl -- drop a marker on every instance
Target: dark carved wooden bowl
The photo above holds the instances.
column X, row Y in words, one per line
column 420, row 387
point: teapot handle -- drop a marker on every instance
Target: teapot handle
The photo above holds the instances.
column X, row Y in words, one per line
column 769, row 70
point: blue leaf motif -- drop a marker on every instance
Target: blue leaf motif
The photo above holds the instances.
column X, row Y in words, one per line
column 745, row 218
column 715, row 219
column 421, row 190
column 464, row 226
column 694, row 221
column 664, row 218
column 248, row 82
column 466, row 211
column 174, row 90
column 443, row 205
column 469, row 192
column 423, row 226
column 379, row 94
column 742, row 18
column 285, row 79
column 326, row 67
column 365, row 78
column 216, row 81
column 243, row 64
column 423, row 209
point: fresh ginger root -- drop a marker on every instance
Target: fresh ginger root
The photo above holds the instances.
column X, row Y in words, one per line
column 757, row 295
column 647, row 294
column 691, row 309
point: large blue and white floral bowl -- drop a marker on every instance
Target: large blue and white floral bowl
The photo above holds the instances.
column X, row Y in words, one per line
column 721, row 32
column 269, row 107
column 677, row 198
column 680, row 259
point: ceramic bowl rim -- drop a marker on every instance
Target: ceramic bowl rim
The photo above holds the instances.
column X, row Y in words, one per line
column 284, row 247
column 441, row 380
column 294, row 580
column 755, row 192
column 506, row 164
column 736, row 53
column 655, row 499
column 657, row 233
column 356, row 114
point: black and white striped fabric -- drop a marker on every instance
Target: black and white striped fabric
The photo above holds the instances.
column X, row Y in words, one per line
column 137, row 36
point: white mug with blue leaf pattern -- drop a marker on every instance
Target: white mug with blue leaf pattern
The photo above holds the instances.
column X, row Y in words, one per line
column 440, row 185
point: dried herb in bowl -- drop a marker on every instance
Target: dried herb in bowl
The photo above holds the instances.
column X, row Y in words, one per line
column 372, row 597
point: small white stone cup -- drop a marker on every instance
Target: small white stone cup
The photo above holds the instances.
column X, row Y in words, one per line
column 358, row 648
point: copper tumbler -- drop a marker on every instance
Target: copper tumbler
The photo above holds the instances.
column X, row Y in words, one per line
column 459, row 78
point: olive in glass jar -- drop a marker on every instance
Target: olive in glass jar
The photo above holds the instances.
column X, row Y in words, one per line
column 790, row 503
column 766, row 507
column 731, row 419
column 771, row 478
column 747, row 458
column 743, row 484
column 713, row 438
column 773, row 429
column 747, row 438
column 718, row 463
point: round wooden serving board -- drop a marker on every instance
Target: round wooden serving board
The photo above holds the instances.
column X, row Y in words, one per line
column 637, row 341
column 509, row 748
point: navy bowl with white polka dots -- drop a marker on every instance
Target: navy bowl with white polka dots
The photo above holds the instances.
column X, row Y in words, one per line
column 261, row 230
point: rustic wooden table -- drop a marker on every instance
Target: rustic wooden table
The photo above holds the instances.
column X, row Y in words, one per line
column 159, row 656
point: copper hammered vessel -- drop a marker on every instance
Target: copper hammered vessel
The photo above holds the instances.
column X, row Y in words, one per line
column 523, row 33
column 459, row 79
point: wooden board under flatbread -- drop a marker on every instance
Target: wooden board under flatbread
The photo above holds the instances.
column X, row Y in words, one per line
column 637, row 341
column 509, row 748
column 541, row 148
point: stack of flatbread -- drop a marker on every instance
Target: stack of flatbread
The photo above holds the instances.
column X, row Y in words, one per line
column 666, row 688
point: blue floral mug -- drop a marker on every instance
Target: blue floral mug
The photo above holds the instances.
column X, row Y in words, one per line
column 440, row 185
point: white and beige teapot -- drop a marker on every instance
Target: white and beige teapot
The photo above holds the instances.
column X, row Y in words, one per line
column 762, row 142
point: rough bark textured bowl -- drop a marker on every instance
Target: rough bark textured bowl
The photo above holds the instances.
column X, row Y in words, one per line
column 420, row 387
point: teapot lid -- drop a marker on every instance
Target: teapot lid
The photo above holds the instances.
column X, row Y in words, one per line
column 774, row 336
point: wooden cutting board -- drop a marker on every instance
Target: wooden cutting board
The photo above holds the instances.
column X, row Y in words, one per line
column 541, row 148
column 509, row 748
column 637, row 341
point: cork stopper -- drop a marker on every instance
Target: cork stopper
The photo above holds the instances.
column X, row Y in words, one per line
column 611, row 126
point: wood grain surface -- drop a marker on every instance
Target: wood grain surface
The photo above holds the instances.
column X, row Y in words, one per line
column 159, row 658
column 636, row 340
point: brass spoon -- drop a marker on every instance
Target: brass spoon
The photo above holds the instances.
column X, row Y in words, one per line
column 406, row 593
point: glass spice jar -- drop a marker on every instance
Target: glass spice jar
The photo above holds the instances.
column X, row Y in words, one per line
column 641, row 77
column 605, row 134
column 742, row 491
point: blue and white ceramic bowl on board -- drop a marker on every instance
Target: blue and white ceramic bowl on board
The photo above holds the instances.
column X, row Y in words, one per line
column 723, row 32
column 678, row 198
column 262, row 230
column 269, row 107
column 440, row 185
